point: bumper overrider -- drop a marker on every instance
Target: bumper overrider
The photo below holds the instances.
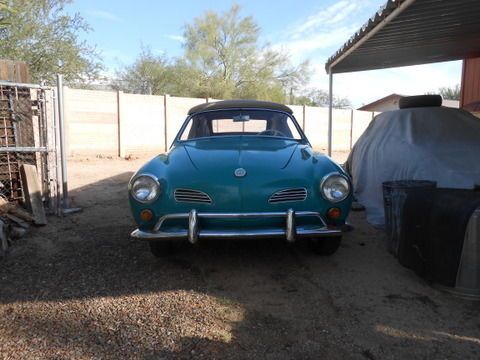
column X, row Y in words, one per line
column 290, row 231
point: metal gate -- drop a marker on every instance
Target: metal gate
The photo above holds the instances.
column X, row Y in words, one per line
column 29, row 135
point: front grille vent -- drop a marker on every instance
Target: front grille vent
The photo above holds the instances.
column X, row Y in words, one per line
column 192, row 196
column 296, row 194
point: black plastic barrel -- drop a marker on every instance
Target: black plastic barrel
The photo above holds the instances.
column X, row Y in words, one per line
column 440, row 238
column 394, row 195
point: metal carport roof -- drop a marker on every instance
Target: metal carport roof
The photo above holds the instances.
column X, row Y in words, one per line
column 409, row 32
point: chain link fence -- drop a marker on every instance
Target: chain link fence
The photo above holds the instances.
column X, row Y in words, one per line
column 28, row 135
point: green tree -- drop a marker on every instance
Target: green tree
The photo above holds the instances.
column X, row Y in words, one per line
column 5, row 12
column 450, row 93
column 223, row 59
column 42, row 34
column 224, row 50
column 157, row 75
column 149, row 74
column 318, row 97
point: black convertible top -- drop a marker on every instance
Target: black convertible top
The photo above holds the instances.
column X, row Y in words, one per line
column 239, row 104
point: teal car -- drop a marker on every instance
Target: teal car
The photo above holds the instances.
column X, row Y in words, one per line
column 240, row 170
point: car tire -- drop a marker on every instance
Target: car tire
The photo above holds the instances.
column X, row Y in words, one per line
column 325, row 246
column 407, row 102
column 161, row 248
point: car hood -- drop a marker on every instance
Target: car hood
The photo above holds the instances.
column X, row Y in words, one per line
column 209, row 165
column 241, row 151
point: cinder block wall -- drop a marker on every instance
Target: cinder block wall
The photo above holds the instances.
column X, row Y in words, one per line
column 118, row 124
column 91, row 122
column 142, row 124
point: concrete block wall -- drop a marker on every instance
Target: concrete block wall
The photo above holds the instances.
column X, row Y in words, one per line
column 316, row 127
column 91, row 122
column 119, row 124
column 142, row 124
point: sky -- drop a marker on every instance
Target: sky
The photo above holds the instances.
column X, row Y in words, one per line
column 306, row 29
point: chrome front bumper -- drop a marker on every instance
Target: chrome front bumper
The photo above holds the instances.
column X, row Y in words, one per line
column 290, row 232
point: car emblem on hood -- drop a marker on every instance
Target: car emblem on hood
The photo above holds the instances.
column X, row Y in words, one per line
column 240, row 172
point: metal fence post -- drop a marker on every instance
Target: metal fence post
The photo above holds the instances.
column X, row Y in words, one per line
column 303, row 118
column 119, row 123
column 165, row 115
column 351, row 129
column 58, row 160
column 330, row 111
column 61, row 126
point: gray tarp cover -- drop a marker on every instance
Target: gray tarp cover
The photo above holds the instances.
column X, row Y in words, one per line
column 436, row 143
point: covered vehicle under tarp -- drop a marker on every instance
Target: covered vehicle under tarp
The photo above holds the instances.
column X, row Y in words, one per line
column 425, row 143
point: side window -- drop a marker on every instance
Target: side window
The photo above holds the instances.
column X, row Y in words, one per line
column 186, row 131
column 283, row 125
column 293, row 130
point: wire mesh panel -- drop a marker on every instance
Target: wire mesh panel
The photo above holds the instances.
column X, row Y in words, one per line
column 28, row 136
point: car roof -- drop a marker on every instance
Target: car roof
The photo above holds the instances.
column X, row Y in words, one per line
column 239, row 104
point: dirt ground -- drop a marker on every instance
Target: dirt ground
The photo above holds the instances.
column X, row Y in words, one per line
column 80, row 288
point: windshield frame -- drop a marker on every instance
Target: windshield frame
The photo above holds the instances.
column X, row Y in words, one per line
column 303, row 138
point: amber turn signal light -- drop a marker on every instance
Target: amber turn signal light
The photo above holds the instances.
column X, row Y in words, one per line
column 334, row 213
column 146, row 215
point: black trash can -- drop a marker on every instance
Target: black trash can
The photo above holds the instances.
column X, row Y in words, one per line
column 440, row 238
column 394, row 195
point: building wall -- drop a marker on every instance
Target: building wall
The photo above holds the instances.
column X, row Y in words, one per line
column 118, row 124
column 470, row 81
column 385, row 105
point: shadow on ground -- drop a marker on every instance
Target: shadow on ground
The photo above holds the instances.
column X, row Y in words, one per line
column 81, row 288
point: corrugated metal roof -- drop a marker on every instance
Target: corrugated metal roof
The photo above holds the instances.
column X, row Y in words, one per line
column 410, row 32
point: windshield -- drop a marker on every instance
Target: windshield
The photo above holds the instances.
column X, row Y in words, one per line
column 240, row 122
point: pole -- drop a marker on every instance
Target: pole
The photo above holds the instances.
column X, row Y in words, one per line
column 165, row 116
column 61, row 126
column 330, row 114
column 58, row 162
column 119, row 123
column 351, row 129
column 303, row 118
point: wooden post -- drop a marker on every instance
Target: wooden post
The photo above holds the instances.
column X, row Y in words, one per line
column 32, row 192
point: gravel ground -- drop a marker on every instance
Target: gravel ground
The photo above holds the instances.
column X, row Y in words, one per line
column 79, row 288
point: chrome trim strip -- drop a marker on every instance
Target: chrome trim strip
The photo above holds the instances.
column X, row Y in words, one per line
column 286, row 195
column 192, row 196
column 160, row 221
column 291, row 232
column 245, row 234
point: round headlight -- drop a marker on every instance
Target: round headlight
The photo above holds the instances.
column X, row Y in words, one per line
column 335, row 187
column 145, row 188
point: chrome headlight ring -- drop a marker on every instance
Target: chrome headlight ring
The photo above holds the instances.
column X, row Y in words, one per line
column 145, row 188
column 335, row 187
